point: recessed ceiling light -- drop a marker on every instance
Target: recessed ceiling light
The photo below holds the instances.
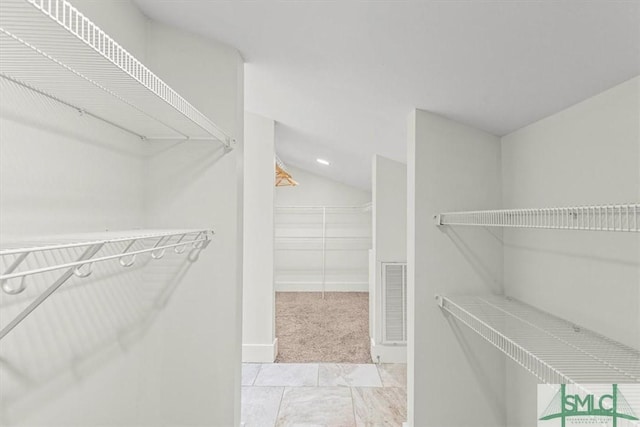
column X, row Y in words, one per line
column 323, row 162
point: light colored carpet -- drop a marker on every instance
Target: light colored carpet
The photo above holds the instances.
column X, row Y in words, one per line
column 310, row 329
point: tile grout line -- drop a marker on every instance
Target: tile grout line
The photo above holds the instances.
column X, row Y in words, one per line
column 279, row 406
column 379, row 376
column 257, row 373
column 353, row 407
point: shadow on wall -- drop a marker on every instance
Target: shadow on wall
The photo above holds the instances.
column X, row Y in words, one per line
column 585, row 255
column 492, row 279
column 49, row 117
column 189, row 160
column 468, row 340
column 83, row 325
column 478, row 247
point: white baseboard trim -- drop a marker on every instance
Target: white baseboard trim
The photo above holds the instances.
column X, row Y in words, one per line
column 388, row 353
column 260, row 353
column 317, row 287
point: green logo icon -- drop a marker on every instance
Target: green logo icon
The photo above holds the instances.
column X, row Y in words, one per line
column 613, row 406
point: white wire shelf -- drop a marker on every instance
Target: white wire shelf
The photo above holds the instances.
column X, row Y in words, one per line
column 320, row 244
column 554, row 350
column 48, row 46
column 329, row 224
column 316, row 238
column 328, row 232
column 319, row 282
column 318, row 210
column 625, row 217
column 75, row 256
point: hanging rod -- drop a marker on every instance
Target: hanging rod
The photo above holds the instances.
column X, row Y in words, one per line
column 82, row 267
column 75, row 244
column 200, row 236
column 624, row 217
column 553, row 349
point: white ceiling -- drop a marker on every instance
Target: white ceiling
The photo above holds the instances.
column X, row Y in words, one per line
column 341, row 77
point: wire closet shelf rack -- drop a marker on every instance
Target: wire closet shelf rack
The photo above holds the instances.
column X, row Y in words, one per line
column 92, row 249
column 554, row 350
column 624, row 217
column 51, row 48
column 321, row 230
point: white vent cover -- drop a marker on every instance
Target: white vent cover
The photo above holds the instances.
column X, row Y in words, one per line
column 394, row 303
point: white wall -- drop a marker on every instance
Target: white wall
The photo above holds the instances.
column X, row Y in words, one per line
column 315, row 190
column 455, row 379
column 200, row 185
column 298, row 255
column 389, row 224
column 587, row 154
column 61, row 173
column 389, row 210
column 98, row 169
column 258, row 303
column 159, row 344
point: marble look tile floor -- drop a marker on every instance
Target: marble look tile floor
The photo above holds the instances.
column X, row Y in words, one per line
column 323, row 394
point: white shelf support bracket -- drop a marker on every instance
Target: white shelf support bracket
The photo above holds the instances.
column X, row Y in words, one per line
column 122, row 259
column 5, row 283
column 87, row 254
column 230, row 144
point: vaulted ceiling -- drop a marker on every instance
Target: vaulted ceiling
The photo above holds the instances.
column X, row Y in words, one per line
column 341, row 77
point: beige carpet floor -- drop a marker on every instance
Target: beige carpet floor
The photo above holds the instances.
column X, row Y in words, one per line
column 311, row 329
